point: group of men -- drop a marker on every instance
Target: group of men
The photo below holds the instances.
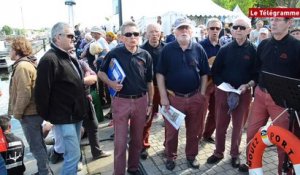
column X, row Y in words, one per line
column 176, row 74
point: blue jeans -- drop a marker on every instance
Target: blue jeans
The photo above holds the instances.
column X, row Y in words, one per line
column 32, row 128
column 3, row 170
column 70, row 134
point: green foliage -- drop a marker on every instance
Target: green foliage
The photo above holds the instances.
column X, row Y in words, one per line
column 7, row 30
column 20, row 31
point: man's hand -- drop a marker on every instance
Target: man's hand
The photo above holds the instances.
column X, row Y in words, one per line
column 165, row 102
column 149, row 113
column 116, row 85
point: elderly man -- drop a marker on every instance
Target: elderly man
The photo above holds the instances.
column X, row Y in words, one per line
column 211, row 47
column 279, row 55
column 133, row 100
column 234, row 65
column 60, row 94
column 154, row 47
column 181, row 78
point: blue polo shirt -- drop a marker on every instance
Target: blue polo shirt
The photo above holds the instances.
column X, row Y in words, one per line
column 210, row 49
column 182, row 69
column 138, row 68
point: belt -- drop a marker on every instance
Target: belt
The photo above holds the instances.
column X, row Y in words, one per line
column 188, row 94
column 130, row 96
column 263, row 89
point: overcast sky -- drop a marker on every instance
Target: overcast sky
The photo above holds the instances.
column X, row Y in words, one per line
column 45, row 13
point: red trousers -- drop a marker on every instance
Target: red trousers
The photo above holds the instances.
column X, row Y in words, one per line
column 146, row 133
column 210, row 123
column 192, row 107
column 263, row 108
column 123, row 110
column 238, row 117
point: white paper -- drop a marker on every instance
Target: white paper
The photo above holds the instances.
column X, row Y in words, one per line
column 174, row 116
column 228, row 88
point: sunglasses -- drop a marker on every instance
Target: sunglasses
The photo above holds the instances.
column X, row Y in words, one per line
column 214, row 28
column 70, row 36
column 238, row 26
column 128, row 34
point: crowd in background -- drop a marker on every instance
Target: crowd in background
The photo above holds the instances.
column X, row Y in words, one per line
column 178, row 70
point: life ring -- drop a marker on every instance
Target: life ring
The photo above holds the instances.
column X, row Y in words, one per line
column 269, row 135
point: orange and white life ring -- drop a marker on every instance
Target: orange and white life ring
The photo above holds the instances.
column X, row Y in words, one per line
column 269, row 135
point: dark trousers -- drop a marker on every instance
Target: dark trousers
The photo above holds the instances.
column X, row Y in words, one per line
column 90, row 124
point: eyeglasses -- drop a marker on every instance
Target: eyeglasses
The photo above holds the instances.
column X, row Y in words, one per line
column 214, row 28
column 128, row 34
column 238, row 26
column 70, row 36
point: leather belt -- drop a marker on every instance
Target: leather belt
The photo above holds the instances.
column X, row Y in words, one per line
column 130, row 96
column 263, row 89
column 188, row 94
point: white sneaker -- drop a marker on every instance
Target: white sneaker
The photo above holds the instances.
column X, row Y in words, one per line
column 79, row 166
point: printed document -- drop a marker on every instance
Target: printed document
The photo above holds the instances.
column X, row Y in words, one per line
column 174, row 116
column 228, row 88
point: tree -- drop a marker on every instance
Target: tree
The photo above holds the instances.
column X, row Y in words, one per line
column 230, row 4
column 7, row 30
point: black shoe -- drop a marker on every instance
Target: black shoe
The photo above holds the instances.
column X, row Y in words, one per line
column 108, row 115
column 170, row 165
column 102, row 155
column 193, row 164
column 244, row 168
column 55, row 157
column 144, row 154
column 235, row 162
column 209, row 140
column 136, row 172
column 213, row 159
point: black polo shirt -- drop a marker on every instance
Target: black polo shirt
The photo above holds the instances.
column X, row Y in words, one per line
column 182, row 69
column 235, row 64
column 279, row 57
column 137, row 67
column 155, row 53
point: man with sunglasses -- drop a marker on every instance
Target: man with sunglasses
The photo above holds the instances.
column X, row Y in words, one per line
column 60, row 94
column 235, row 65
column 280, row 55
column 211, row 47
column 134, row 97
column 181, row 78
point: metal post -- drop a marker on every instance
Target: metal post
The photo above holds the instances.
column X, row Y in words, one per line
column 44, row 44
column 120, row 12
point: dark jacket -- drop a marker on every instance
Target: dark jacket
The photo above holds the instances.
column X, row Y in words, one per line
column 59, row 90
column 14, row 157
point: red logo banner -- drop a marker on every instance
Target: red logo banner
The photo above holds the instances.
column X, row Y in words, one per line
column 274, row 12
